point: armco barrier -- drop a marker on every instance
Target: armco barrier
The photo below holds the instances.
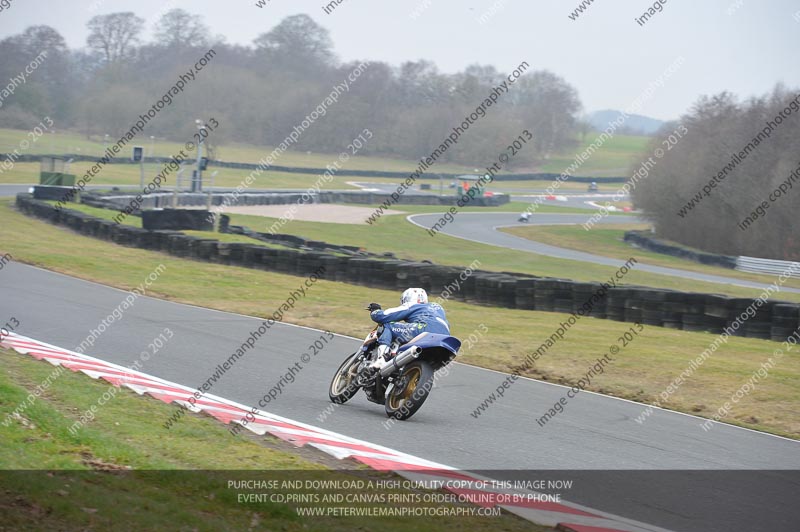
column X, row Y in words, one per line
column 775, row 320
column 119, row 200
column 767, row 266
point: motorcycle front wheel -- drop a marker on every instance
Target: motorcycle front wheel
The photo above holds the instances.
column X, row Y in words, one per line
column 410, row 390
column 343, row 386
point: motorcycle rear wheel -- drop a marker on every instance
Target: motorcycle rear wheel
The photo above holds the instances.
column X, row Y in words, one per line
column 402, row 403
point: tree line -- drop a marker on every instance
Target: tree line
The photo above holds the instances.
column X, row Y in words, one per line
column 259, row 92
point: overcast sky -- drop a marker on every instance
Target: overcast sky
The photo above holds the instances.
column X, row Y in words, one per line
column 743, row 46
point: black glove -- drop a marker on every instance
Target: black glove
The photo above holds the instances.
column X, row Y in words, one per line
column 373, row 307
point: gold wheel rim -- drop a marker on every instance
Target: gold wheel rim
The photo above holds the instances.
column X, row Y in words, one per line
column 343, row 380
column 414, row 376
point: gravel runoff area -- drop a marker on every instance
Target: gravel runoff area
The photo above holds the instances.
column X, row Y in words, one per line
column 340, row 214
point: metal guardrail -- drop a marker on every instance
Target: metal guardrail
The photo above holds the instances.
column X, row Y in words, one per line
column 769, row 266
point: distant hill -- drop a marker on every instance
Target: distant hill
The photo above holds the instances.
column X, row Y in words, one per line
column 636, row 124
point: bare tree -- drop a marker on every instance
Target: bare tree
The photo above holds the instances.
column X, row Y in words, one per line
column 178, row 27
column 114, row 35
column 48, row 91
column 297, row 41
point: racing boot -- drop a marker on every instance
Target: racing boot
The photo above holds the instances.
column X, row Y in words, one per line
column 381, row 359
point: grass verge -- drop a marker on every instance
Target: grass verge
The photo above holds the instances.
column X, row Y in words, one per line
column 121, row 468
column 128, row 174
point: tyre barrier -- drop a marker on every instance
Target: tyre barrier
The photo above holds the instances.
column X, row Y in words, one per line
column 176, row 219
column 642, row 240
column 775, row 320
column 292, row 240
column 50, row 192
column 523, row 296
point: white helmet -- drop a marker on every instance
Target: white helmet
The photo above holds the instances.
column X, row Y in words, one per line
column 413, row 296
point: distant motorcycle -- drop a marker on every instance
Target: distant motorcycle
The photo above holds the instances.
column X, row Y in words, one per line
column 524, row 217
column 404, row 384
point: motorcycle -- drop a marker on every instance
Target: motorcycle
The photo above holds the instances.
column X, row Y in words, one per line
column 404, row 384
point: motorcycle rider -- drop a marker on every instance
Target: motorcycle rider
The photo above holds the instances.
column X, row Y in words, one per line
column 419, row 316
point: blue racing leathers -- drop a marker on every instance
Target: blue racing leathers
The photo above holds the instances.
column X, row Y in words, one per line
column 419, row 317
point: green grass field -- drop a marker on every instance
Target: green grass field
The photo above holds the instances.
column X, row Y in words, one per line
column 644, row 370
column 613, row 159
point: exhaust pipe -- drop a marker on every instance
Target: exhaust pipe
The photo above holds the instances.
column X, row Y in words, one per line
column 400, row 360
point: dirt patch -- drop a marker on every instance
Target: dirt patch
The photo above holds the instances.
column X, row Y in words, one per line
column 340, row 214
column 99, row 465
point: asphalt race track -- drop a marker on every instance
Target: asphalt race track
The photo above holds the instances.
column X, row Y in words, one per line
column 595, row 432
column 482, row 227
column 570, row 198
